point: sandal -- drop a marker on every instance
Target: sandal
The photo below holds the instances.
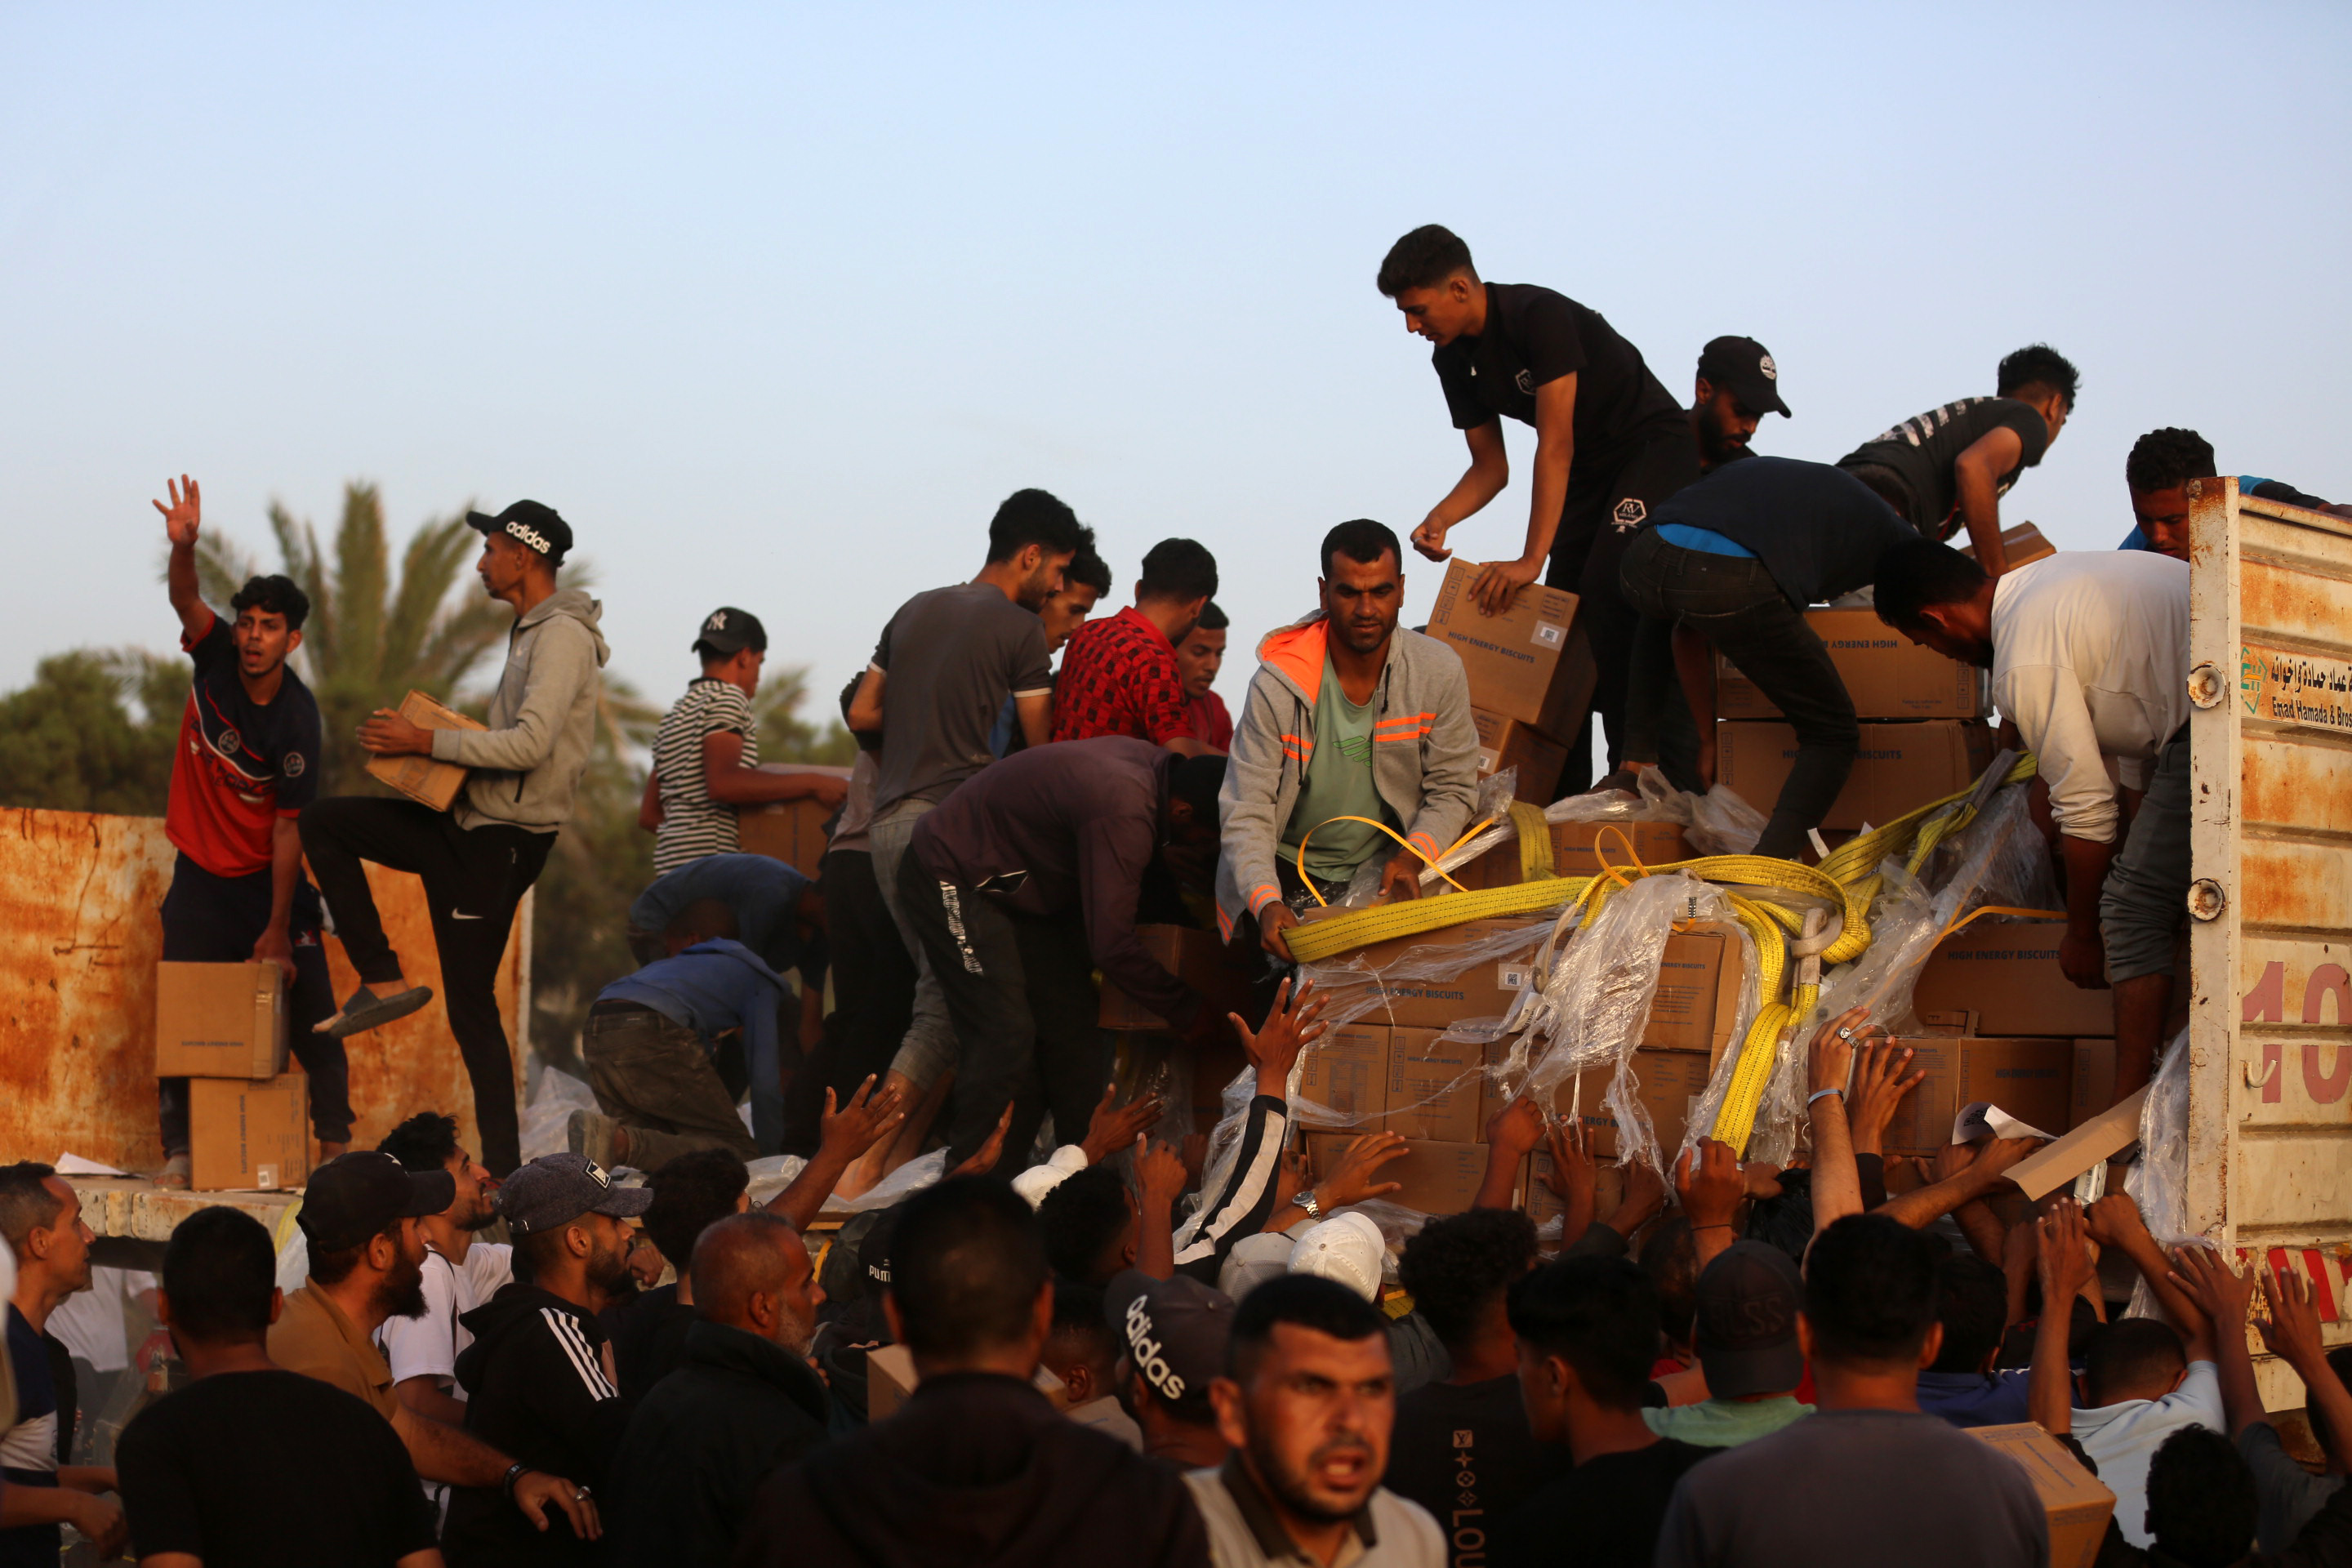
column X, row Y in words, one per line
column 366, row 1011
column 176, row 1172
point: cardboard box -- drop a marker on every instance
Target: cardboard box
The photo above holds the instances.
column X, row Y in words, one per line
column 220, row 1020
column 1194, row 956
column 1506, row 743
column 421, row 778
column 1347, row 1070
column 2031, row 1080
column 1436, row 1088
column 2103, row 1137
column 1901, row 766
column 2077, row 1504
column 2094, row 1080
column 1888, row 675
column 249, row 1134
column 1665, row 1082
column 2008, row 972
column 791, row 831
column 1519, row 662
column 2019, row 545
column 1580, row 849
column 1486, row 989
column 1698, row 1000
column 1439, row 1178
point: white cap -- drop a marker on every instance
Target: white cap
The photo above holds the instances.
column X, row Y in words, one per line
column 1347, row 1247
column 1035, row 1182
column 1254, row 1260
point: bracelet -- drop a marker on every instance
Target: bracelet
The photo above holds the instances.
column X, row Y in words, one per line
column 507, row 1481
column 1818, row 1092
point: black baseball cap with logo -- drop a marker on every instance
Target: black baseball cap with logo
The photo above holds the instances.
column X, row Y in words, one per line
column 1745, row 367
column 356, row 1197
column 556, row 1189
column 728, row 630
column 1175, row 1331
column 1746, row 1327
column 536, row 527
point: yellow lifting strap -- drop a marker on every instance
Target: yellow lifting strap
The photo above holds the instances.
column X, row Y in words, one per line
column 1392, row 833
column 1535, row 841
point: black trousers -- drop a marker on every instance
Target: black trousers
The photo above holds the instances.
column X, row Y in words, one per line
column 1605, row 510
column 1734, row 602
column 474, row 878
column 1021, row 998
column 216, row 919
column 873, row 996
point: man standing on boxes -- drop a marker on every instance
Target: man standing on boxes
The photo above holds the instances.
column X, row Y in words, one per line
column 1611, row 440
column 1355, row 736
column 478, row 858
column 245, row 765
column 707, row 752
column 2089, row 655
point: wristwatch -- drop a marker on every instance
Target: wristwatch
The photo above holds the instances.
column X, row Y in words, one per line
column 1305, row 1200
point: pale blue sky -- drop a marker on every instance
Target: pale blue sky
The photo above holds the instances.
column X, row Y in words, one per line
column 776, row 304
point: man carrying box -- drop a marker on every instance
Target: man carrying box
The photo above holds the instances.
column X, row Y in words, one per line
column 1949, row 467
column 2089, row 655
column 1348, row 718
column 1020, row 884
column 1730, row 564
column 480, row 857
column 1611, row 440
column 246, row 766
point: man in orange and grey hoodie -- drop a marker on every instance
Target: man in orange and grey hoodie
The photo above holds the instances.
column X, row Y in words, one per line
column 1348, row 718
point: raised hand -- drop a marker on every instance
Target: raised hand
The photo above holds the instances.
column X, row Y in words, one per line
column 1112, row 1128
column 2065, row 1261
column 1517, row 1128
column 1710, row 1187
column 1291, row 1026
column 1352, row 1180
column 1878, row 1089
column 983, row 1159
column 871, row 1115
column 185, row 514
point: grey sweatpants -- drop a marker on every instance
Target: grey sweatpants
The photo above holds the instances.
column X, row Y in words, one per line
column 2147, row 894
column 930, row 1048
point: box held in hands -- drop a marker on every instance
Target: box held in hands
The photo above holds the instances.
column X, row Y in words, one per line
column 434, row 784
column 220, row 1020
column 1522, row 664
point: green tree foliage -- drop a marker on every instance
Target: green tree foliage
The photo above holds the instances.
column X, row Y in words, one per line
column 94, row 731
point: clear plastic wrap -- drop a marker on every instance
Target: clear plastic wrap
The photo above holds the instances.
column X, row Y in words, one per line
column 547, row 1111
column 1716, row 823
column 2158, row 1182
column 1353, row 990
column 924, row 1171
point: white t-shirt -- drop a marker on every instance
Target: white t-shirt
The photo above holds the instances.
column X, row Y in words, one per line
column 90, row 1322
column 2122, row 1438
column 427, row 1346
column 2091, row 660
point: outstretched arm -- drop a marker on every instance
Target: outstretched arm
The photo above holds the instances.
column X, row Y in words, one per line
column 181, row 520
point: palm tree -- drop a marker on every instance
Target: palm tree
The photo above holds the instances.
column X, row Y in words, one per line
column 371, row 637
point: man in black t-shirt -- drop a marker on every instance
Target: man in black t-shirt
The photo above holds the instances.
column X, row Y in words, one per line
column 1461, row 1448
column 1611, row 441
column 245, row 765
column 251, row 1463
column 1587, row 1331
column 1949, row 467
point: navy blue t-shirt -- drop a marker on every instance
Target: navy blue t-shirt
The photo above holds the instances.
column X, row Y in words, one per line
column 28, row 1454
column 1818, row 530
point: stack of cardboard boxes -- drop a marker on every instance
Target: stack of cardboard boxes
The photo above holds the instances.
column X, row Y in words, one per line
column 1397, row 1069
column 1530, row 679
column 223, row 1027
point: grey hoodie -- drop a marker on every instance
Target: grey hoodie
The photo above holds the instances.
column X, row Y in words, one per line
column 542, row 719
column 1425, row 755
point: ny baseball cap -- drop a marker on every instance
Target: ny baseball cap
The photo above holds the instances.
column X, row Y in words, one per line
column 730, row 630
column 1746, row 1330
column 358, row 1195
column 540, row 528
column 1175, row 1331
column 556, row 1189
column 1746, row 366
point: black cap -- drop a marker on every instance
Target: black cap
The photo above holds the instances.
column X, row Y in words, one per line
column 355, row 1196
column 1175, row 1331
column 1745, row 367
column 730, row 630
column 540, row 528
column 857, row 1264
column 556, row 1189
column 1746, row 1331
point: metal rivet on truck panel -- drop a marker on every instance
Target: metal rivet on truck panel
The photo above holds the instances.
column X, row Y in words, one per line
column 2205, row 688
column 2206, row 900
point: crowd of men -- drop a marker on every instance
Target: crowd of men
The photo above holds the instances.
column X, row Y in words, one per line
column 1118, row 1354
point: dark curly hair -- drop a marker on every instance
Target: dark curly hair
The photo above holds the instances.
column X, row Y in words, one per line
column 2037, row 364
column 2163, row 458
column 2200, row 1500
column 1083, row 1218
column 1459, row 1266
column 273, row 597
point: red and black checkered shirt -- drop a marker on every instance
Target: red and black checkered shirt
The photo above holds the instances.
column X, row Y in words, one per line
column 1119, row 678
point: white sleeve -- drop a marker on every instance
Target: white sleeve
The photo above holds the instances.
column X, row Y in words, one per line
column 490, row 1265
column 425, row 1346
column 2046, row 702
